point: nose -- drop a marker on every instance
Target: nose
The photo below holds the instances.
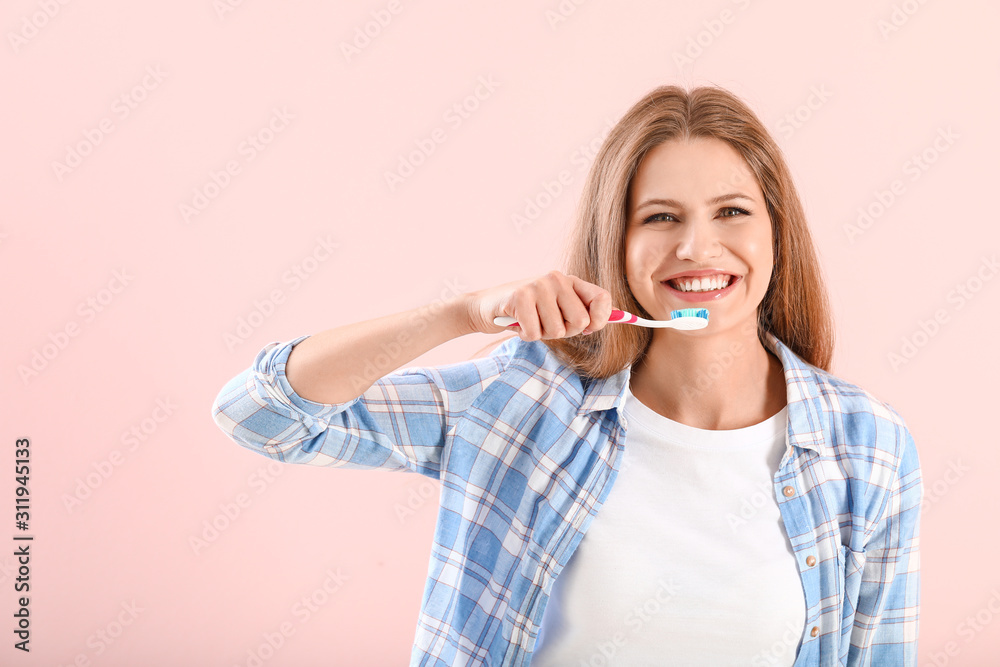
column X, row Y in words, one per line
column 698, row 240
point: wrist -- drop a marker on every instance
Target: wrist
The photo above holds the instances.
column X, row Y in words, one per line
column 459, row 313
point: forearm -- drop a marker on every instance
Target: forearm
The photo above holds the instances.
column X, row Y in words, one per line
column 340, row 364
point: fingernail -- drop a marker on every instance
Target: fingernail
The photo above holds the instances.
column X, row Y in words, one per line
column 587, row 332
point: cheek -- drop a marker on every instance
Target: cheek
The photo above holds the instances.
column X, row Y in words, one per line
column 762, row 254
column 759, row 249
column 639, row 256
column 633, row 259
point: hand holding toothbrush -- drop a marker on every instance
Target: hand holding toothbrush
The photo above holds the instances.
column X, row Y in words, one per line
column 559, row 306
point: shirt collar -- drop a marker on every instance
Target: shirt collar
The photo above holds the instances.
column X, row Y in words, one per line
column 807, row 418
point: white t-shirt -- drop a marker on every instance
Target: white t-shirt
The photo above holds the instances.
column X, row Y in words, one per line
column 687, row 562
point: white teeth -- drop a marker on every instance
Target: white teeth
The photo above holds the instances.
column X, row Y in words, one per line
column 706, row 284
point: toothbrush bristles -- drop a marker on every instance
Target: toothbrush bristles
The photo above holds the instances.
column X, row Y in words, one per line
column 689, row 312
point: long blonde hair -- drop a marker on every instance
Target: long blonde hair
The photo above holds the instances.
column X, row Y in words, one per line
column 795, row 307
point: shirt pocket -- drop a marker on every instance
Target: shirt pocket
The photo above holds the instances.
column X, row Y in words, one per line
column 852, row 568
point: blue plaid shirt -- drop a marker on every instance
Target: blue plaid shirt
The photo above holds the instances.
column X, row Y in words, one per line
column 526, row 452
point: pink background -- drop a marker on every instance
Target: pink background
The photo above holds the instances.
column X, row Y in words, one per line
column 877, row 100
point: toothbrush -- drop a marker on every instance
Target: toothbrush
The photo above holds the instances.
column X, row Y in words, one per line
column 686, row 319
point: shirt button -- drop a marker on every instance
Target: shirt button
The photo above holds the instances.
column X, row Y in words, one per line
column 788, row 491
column 814, row 631
column 810, row 561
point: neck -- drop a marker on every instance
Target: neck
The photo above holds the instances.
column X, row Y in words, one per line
column 720, row 382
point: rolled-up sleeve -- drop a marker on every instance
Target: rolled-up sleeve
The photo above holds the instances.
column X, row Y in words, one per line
column 886, row 621
column 401, row 423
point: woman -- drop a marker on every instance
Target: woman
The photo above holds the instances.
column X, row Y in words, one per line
column 763, row 512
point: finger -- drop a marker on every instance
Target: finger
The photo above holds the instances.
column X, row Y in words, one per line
column 574, row 312
column 529, row 327
column 597, row 300
column 549, row 312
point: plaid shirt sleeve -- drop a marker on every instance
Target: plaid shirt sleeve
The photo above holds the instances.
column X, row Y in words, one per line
column 886, row 619
column 400, row 423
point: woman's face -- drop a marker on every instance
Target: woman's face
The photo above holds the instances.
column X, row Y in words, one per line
column 710, row 223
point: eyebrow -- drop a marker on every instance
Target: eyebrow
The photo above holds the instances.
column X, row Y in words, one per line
column 677, row 204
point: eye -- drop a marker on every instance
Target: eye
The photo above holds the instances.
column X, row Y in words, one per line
column 727, row 212
column 736, row 209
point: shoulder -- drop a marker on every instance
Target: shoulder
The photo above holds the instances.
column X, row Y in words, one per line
column 860, row 427
column 534, row 370
column 857, row 424
column 852, row 402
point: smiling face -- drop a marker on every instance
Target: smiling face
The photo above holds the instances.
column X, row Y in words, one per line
column 705, row 239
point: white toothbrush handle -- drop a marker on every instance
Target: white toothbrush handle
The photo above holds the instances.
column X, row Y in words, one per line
column 616, row 316
column 624, row 317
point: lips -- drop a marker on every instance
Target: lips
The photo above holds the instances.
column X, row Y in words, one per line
column 697, row 273
column 715, row 281
column 700, row 297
